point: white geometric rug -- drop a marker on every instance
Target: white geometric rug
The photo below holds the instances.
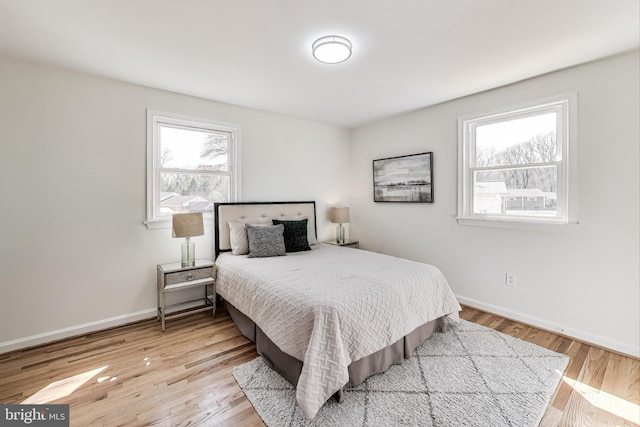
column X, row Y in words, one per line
column 468, row 376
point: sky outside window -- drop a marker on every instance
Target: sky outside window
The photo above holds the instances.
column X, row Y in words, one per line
column 184, row 148
column 500, row 136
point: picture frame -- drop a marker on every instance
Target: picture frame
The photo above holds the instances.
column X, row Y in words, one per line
column 404, row 179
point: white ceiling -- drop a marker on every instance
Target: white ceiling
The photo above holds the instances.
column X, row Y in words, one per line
column 407, row 54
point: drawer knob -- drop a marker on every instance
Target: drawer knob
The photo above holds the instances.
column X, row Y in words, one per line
column 190, row 276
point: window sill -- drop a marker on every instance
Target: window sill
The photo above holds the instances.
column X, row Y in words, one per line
column 158, row 223
column 520, row 225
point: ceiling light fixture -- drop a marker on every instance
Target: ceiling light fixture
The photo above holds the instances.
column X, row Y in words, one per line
column 331, row 49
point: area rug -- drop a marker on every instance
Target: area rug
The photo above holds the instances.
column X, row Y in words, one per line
column 469, row 376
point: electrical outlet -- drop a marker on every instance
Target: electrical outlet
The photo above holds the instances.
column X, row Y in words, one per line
column 510, row 280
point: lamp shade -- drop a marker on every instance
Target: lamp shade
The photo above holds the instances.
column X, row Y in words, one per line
column 187, row 225
column 339, row 215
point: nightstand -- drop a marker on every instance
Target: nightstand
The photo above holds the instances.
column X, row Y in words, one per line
column 347, row 242
column 174, row 277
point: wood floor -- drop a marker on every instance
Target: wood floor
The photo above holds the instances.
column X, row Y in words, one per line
column 137, row 375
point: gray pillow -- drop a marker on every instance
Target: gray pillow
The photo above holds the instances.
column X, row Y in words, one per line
column 265, row 241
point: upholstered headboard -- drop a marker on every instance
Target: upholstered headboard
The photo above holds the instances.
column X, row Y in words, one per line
column 260, row 211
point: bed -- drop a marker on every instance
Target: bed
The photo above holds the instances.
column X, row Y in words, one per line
column 325, row 317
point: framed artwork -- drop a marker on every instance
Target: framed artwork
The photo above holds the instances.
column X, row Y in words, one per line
column 407, row 179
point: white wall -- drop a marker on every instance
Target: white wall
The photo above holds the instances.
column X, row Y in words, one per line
column 585, row 284
column 74, row 253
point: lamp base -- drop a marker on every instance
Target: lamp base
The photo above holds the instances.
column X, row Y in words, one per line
column 340, row 233
column 188, row 253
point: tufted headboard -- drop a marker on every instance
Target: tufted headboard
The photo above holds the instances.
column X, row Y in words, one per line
column 260, row 211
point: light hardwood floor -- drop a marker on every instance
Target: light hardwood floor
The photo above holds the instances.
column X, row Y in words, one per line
column 137, row 375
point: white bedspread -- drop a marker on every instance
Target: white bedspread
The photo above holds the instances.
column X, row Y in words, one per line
column 333, row 305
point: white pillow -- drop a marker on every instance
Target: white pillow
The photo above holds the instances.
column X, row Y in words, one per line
column 238, row 236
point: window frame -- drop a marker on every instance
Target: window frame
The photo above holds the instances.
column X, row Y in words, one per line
column 155, row 119
column 565, row 105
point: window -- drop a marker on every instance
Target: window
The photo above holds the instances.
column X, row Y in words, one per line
column 191, row 164
column 517, row 165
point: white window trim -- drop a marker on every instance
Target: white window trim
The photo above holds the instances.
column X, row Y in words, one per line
column 154, row 119
column 568, row 170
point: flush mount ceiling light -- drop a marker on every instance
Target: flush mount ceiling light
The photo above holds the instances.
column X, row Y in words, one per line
column 331, row 49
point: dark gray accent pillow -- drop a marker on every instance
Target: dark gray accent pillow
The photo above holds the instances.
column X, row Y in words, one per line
column 295, row 234
column 265, row 241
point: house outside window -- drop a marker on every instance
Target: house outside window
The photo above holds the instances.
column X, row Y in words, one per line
column 191, row 164
column 517, row 165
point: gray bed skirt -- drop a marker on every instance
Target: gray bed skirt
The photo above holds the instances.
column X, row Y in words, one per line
column 290, row 367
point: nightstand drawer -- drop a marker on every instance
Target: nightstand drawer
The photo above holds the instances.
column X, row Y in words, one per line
column 187, row 276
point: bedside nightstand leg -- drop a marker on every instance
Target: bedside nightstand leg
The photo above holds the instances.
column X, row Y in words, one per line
column 214, row 299
column 161, row 309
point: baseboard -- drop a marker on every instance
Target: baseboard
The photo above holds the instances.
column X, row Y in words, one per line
column 75, row 330
column 580, row 335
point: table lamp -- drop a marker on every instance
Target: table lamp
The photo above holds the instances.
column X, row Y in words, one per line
column 340, row 216
column 187, row 225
